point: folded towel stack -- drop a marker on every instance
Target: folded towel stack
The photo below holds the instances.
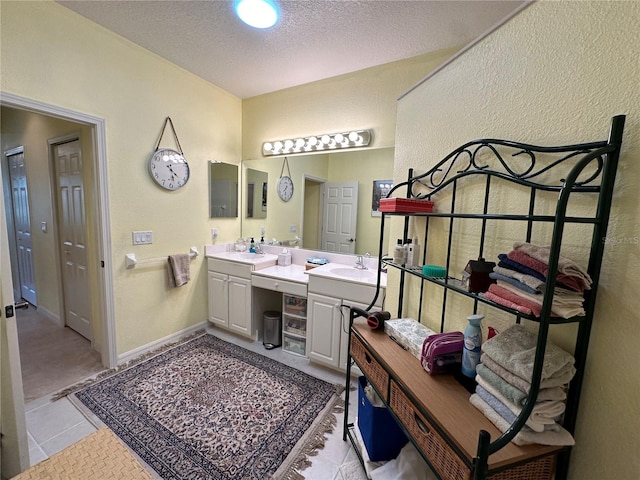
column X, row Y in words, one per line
column 504, row 381
column 521, row 277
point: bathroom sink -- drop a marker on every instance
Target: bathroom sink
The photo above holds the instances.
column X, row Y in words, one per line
column 354, row 273
column 256, row 259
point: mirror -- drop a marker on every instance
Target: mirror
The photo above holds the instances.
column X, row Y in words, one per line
column 255, row 187
column 301, row 221
column 223, row 190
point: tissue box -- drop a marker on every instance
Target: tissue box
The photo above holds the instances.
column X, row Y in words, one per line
column 380, row 433
column 409, row 333
column 284, row 259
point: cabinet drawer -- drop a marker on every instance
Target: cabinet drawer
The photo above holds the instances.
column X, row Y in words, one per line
column 447, row 464
column 295, row 325
column 377, row 375
column 230, row 268
column 278, row 285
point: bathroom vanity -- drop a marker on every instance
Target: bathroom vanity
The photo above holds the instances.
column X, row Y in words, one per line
column 314, row 303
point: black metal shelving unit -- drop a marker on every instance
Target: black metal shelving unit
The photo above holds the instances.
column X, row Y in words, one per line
column 586, row 170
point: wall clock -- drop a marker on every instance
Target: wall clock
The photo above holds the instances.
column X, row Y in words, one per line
column 168, row 167
column 285, row 184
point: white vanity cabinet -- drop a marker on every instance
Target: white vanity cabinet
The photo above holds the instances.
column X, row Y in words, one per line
column 328, row 321
column 229, row 286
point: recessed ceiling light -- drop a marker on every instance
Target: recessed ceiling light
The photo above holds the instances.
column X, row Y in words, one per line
column 257, row 13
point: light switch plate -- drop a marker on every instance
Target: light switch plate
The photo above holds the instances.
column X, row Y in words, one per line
column 142, row 237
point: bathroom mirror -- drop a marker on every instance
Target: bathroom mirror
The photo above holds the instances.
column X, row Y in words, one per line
column 302, row 220
column 255, row 192
column 223, row 190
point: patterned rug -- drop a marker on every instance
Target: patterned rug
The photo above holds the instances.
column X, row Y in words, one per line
column 208, row 409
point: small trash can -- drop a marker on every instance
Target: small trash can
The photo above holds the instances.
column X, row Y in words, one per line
column 272, row 329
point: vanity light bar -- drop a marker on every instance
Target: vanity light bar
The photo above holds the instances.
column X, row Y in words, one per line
column 315, row 143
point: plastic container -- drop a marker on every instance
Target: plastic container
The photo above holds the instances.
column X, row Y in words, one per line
column 381, row 435
column 472, row 344
column 410, row 253
column 400, row 253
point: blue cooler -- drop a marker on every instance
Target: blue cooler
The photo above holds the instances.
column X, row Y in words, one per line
column 382, row 436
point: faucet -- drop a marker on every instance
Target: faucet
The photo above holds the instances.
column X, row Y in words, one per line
column 258, row 248
column 360, row 262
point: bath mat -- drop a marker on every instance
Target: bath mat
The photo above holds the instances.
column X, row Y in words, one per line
column 99, row 456
column 211, row 409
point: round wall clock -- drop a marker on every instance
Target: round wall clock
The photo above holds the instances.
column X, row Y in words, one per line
column 285, row 188
column 169, row 169
column 285, row 184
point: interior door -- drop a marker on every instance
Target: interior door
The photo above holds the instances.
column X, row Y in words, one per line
column 340, row 217
column 22, row 225
column 72, row 235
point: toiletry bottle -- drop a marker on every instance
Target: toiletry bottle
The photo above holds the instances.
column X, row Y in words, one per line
column 416, row 253
column 399, row 253
column 409, row 247
column 252, row 246
column 472, row 343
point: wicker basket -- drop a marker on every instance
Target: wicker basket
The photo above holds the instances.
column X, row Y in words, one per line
column 377, row 375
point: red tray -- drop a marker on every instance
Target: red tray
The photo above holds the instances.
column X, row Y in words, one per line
column 405, row 205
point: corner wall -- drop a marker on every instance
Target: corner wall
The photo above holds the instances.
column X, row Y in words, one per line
column 556, row 74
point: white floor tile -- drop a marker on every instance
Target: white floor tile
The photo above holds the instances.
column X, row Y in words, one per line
column 67, row 437
column 47, row 421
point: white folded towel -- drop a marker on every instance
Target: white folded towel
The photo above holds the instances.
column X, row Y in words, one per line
column 179, row 273
column 565, row 265
column 559, row 437
column 560, row 379
column 515, row 349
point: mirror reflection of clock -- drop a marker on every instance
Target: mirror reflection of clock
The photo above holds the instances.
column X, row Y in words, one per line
column 169, row 169
column 285, row 188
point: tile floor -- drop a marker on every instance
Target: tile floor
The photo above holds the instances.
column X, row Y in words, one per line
column 52, row 426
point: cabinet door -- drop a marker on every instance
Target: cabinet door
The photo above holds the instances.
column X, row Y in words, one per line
column 218, row 299
column 344, row 328
column 240, row 305
column 323, row 329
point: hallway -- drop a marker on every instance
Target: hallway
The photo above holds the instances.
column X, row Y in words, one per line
column 52, row 357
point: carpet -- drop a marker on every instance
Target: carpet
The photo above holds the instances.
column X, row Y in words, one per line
column 210, row 409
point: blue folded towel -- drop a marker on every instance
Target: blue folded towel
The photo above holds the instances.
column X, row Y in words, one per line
column 506, row 262
column 514, row 282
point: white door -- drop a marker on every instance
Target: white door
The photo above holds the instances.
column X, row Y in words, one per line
column 22, row 226
column 72, row 234
column 340, row 217
column 14, row 448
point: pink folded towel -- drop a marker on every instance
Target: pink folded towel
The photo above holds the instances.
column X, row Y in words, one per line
column 506, row 303
column 572, row 282
column 502, row 292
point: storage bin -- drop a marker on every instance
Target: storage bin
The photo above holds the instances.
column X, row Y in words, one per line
column 382, row 436
column 295, row 325
column 294, row 344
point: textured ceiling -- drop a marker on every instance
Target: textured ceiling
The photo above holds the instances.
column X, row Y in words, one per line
column 314, row 39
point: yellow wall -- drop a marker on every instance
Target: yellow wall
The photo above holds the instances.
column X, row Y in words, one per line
column 52, row 55
column 556, row 74
column 359, row 100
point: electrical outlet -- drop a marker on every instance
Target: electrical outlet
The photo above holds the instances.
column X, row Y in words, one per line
column 142, row 237
column 262, row 231
column 214, row 233
column 293, row 228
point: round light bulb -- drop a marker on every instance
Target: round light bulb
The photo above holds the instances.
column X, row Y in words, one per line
column 339, row 138
column 325, row 139
column 299, row 143
column 257, row 13
column 277, row 146
column 268, row 146
column 313, row 141
column 288, row 144
column 353, row 136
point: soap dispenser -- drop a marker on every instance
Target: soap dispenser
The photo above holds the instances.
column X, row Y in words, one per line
column 252, row 246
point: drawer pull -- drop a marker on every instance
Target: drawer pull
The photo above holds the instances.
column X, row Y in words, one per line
column 367, row 358
column 421, row 425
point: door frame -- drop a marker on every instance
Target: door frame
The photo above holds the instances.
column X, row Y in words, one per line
column 100, row 208
column 15, row 275
column 321, row 181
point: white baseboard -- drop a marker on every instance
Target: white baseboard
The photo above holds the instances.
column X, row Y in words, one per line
column 174, row 337
column 49, row 314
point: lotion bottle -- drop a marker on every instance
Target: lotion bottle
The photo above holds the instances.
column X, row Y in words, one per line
column 400, row 253
column 472, row 344
column 416, row 253
column 410, row 253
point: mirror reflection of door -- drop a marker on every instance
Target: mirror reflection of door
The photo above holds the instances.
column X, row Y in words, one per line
column 256, row 196
column 340, row 217
column 223, row 190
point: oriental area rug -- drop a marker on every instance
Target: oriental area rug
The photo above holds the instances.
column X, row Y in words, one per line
column 208, row 409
